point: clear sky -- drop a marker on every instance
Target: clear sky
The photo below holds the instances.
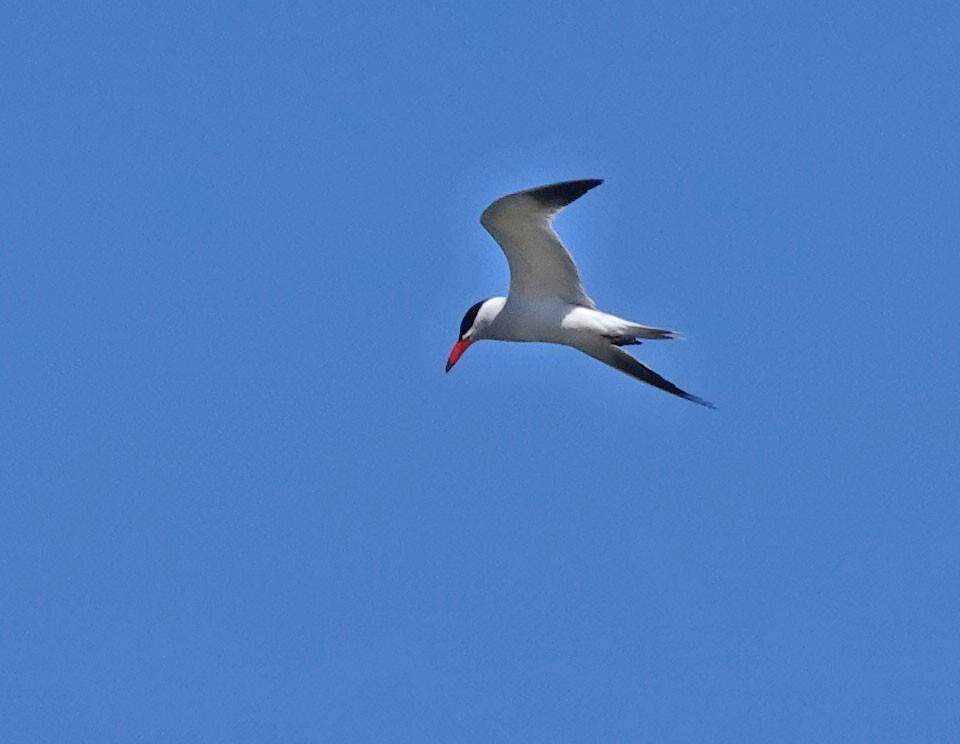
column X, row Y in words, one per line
column 242, row 502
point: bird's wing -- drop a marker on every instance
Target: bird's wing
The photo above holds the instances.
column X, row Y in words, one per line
column 540, row 265
column 619, row 359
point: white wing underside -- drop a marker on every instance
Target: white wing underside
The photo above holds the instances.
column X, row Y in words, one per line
column 540, row 266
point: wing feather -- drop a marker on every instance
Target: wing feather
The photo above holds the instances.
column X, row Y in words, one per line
column 621, row 360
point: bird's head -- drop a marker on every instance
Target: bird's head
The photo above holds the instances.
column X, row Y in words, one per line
column 475, row 322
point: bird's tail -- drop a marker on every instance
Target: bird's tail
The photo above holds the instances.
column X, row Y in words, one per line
column 648, row 333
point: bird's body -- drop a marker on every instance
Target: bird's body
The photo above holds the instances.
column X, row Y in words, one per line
column 557, row 322
column 547, row 302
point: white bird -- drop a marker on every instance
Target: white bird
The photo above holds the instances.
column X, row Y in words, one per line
column 546, row 301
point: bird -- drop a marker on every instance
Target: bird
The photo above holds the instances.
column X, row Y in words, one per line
column 546, row 301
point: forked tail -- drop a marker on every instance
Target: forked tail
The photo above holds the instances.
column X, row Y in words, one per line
column 634, row 332
column 653, row 334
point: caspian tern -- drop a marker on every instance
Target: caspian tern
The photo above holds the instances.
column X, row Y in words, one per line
column 546, row 301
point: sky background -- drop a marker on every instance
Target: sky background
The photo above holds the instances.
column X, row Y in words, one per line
column 242, row 502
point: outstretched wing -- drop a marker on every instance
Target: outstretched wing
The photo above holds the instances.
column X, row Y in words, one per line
column 619, row 359
column 540, row 265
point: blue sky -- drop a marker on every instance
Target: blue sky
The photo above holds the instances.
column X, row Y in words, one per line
column 243, row 503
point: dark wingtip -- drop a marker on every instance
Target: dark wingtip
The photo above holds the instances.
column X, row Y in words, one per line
column 559, row 195
column 701, row 401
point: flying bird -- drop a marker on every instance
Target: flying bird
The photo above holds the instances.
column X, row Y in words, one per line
column 546, row 301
